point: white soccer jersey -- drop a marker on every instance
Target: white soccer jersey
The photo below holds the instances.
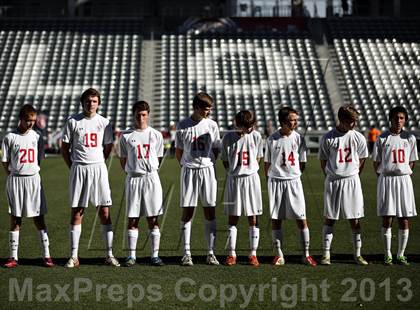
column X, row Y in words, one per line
column 395, row 152
column 197, row 140
column 242, row 152
column 284, row 153
column 23, row 152
column 142, row 149
column 343, row 152
column 87, row 137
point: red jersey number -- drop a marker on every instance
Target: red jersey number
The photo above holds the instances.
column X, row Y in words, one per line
column 344, row 155
column 91, row 139
column 147, row 149
column 398, row 156
column 290, row 158
column 27, row 156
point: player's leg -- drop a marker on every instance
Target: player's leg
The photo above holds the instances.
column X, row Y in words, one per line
column 15, row 223
column 231, row 240
column 186, row 221
column 39, row 222
column 107, row 234
column 132, row 237
column 403, row 232
column 304, row 240
column 75, row 232
column 357, row 241
column 210, row 232
column 154, row 234
column 386, row 232
column 327, row 237
column 254, row 239
column 277, row 236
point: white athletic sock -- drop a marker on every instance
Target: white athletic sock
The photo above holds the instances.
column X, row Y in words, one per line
column 402, row 241
column 45, row 242
column 132, row 236
column 14, row 243
column 75, row 232
column 154, row 241
column 108, row 236
column 357, row 243
column 304, row 240
column 186, row 236
column 210, row 231
column 386, row 238
column 232, row 234
column 254, row 238
column 277, row 236
column 327, row 237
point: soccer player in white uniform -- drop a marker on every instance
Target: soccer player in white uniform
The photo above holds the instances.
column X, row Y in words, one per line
column 141, row 150
column 21, row 158
column 86, row 143
column 197, row 145
column 342, row 153
column 394, row 156
column 285, row 158
column 242, row 150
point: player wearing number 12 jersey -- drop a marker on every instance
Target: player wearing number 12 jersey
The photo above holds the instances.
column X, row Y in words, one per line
column 241, row 152
column 21, row 157
column 86, row 144
column 285, row 158
column 394, row 155
column 141, row 152
column 342, row 153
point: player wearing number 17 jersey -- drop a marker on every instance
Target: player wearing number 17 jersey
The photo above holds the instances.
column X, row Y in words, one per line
column 394, row 155
column 21, row 157
column 342, row 153
column 86, row 144
column 285, row 158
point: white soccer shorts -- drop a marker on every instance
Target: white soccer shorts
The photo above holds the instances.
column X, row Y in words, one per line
column 89, row 183
column 143, row 195
column 25, row 196
column 286, row 199
column 243, row 193
column 395, row 196
column 343, row 198
column 198, row 183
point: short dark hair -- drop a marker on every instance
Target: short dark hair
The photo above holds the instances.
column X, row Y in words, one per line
column 26, row 109
column 140, row 106
column 90, row 92
column 398, row 109
column 348, row 113
column 284, row 113
column 245, row 119
column 202, row 100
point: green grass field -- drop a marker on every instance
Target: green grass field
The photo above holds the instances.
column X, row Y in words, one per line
column 343, row 285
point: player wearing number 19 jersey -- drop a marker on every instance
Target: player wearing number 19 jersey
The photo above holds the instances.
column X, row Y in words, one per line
column 342, row 153
column 241, row 152
column 86, row 144
column 394, row 155
column 21, row 157
column 285, row 158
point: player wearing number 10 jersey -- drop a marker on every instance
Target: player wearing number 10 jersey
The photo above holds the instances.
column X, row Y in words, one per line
column 86, row 144
column 21, row 157
column 394, row 155
column 285, row 158
column 342, row 153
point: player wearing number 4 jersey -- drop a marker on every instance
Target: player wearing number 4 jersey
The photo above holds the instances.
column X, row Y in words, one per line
column 197, row 144
column 86, row 144
column 141, row 152
column 21, row 158
column 394, row 155
column 342, row 153
column 285, row 158
column 241, row 152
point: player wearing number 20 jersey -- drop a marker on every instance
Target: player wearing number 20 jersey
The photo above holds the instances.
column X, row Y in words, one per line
column 342, row 153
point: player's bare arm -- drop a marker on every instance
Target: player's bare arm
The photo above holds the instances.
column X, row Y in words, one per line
column 226, row 165
column 178, row 154
column 107, row 150
column 215, row 152
column 323, row 165
column 376, row 165
column 412, row 164
column 302, row 166
column 266, row 168
column 65, row 152
column 123, row 161
column 6, row 167
column 361, row 164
